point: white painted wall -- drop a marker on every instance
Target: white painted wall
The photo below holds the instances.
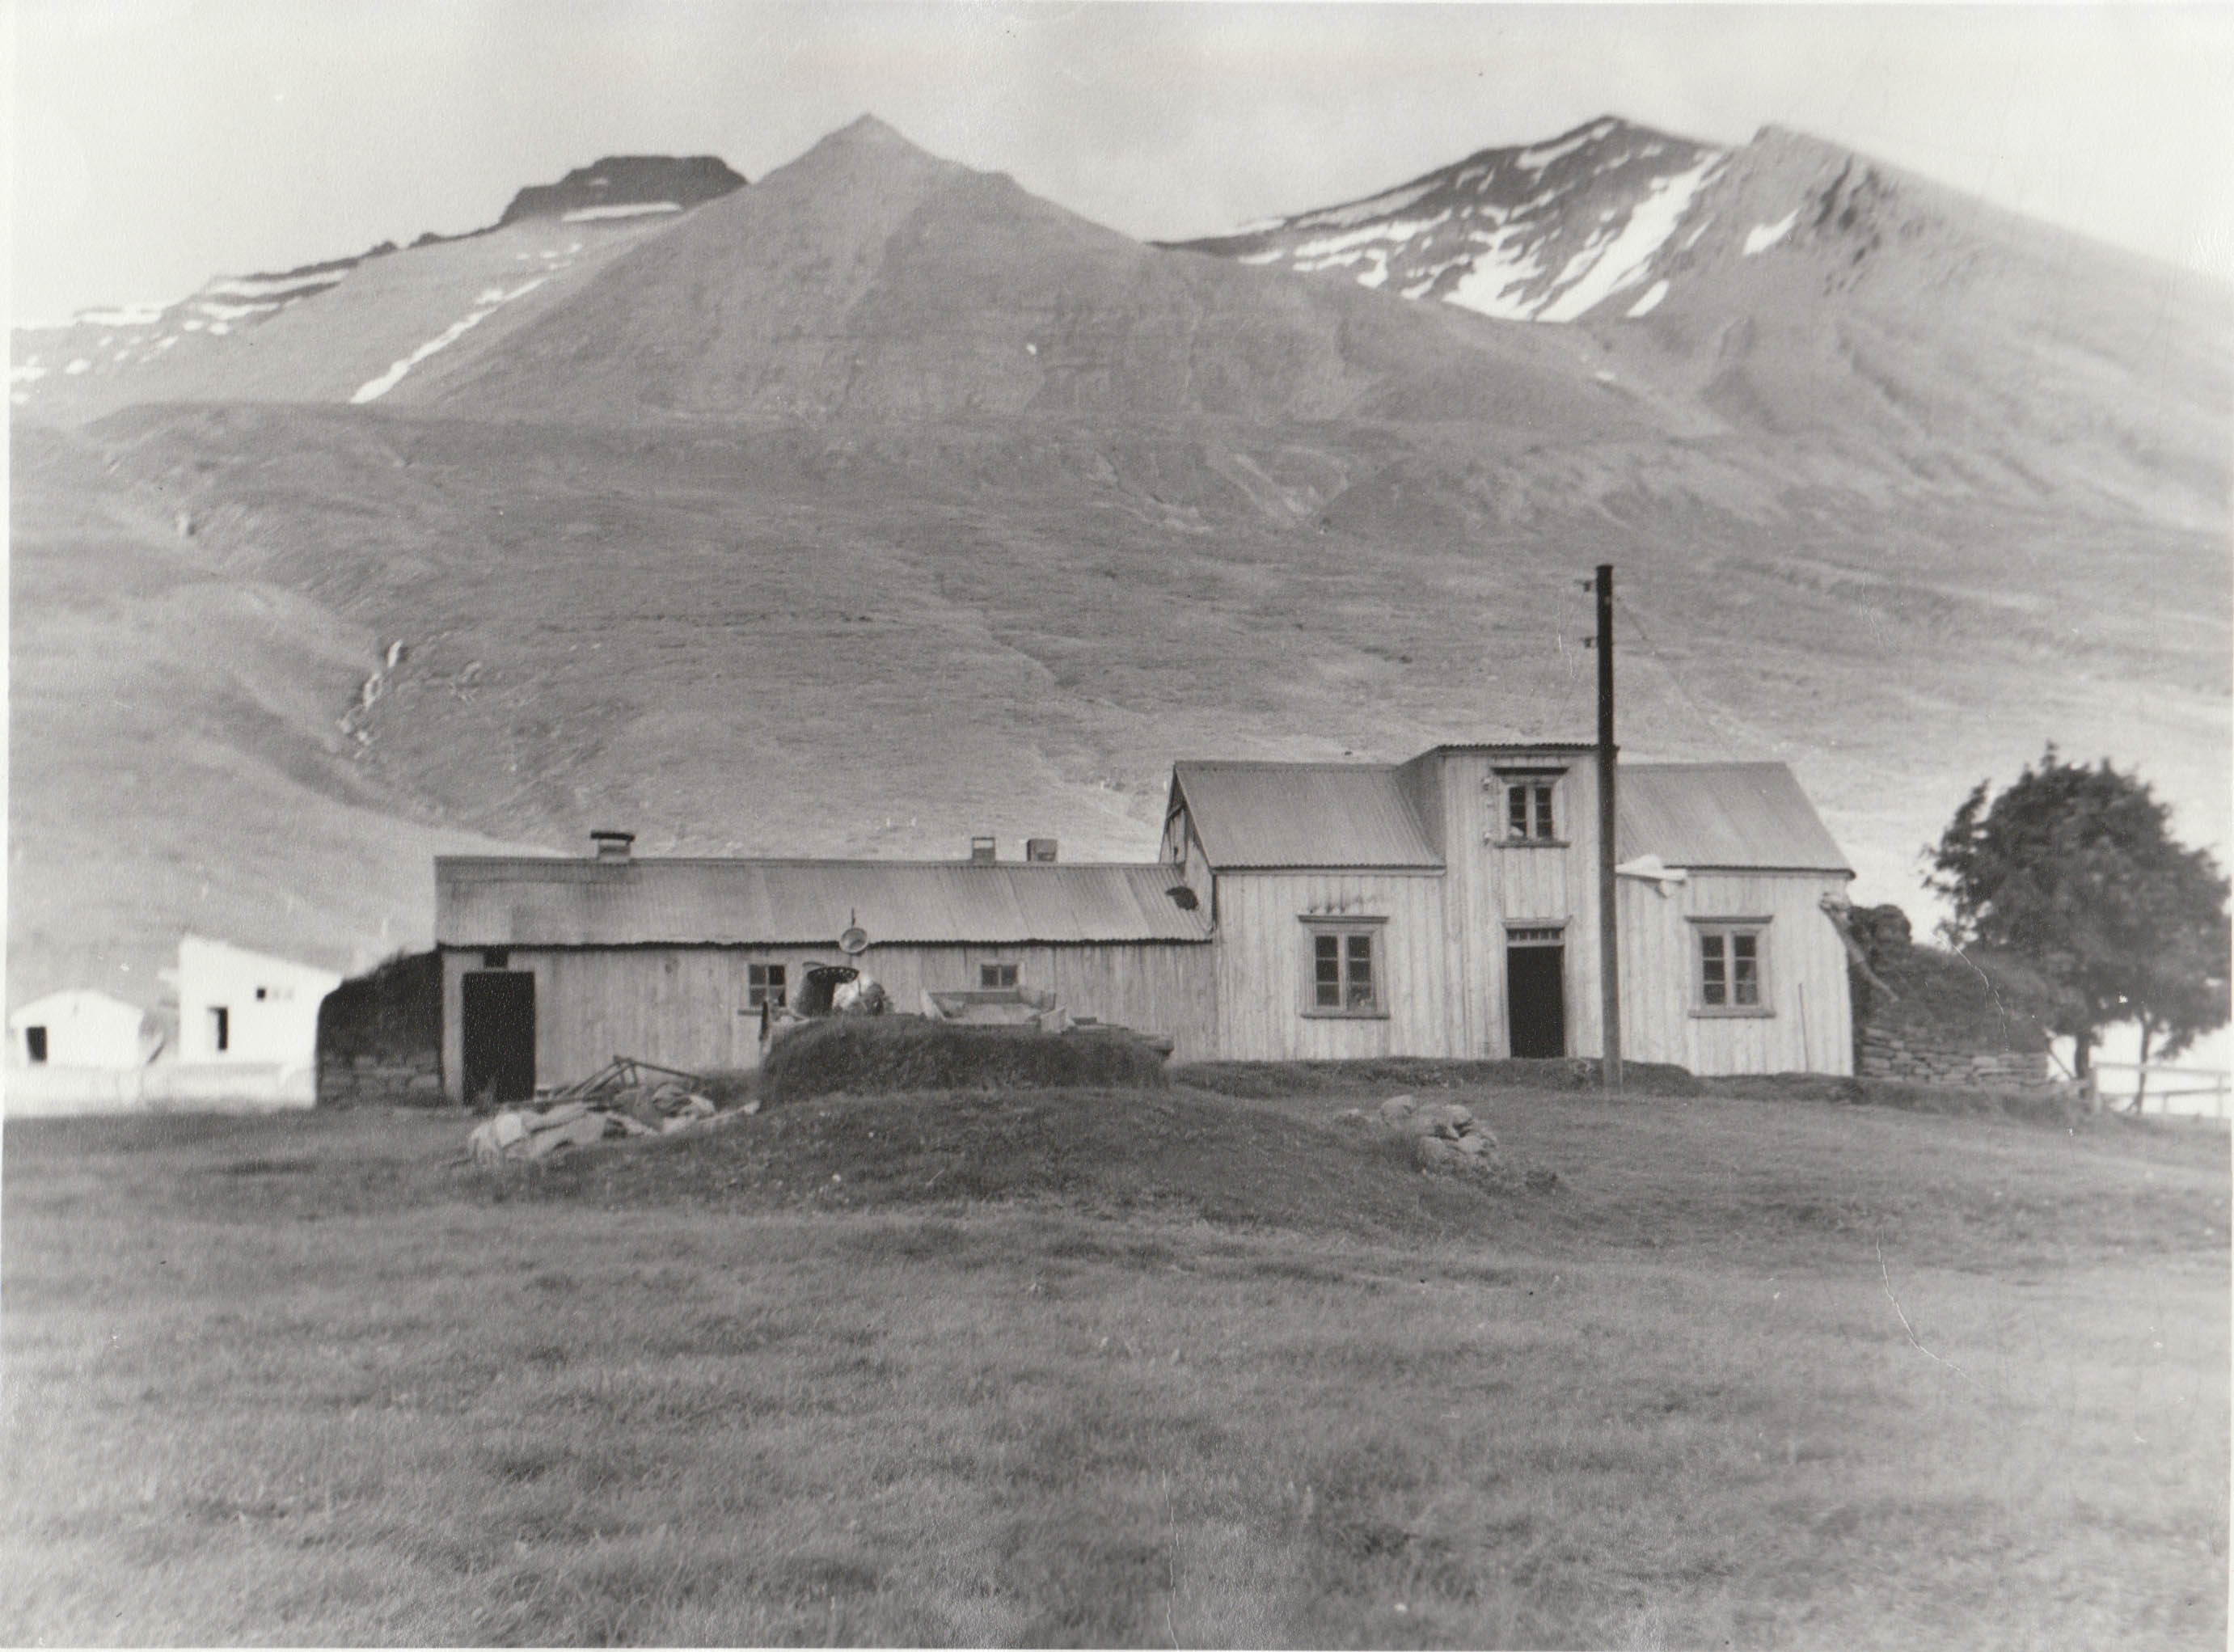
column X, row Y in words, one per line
column 85, row 1029
column 270, row 1005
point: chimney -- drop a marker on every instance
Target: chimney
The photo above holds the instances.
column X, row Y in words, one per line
column 612, row 846
column 1039, row 848
column 980, row 850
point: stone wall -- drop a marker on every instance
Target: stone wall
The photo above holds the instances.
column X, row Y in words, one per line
column 1923, row 1015
column 1915, row 1056
column 380, row 1037
column 413, row 1080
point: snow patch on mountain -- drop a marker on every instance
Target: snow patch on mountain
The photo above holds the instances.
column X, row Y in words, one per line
column 1546, row 233
column 1762, row 237
column 1650, row 301
column 633, row 209
column 1623, row 261
column 123, row 316
column 491, row 299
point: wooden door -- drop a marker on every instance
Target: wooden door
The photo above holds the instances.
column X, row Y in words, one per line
column 500, row 1035
column 1536, row 1000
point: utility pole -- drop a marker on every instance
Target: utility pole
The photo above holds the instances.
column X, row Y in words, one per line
column 1609, row 927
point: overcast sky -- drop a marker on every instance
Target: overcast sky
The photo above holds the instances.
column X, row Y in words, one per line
column 159, row 141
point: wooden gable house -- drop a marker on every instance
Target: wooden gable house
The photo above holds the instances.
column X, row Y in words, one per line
column 1449, row 906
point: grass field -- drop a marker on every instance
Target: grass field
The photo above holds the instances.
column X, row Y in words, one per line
column 1096, row 1367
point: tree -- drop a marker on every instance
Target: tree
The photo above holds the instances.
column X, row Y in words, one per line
column 2076, row 870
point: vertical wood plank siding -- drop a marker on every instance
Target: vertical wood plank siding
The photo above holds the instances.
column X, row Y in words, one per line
column 1492, row 887
column 1262, row 950
column 1811, row 1027
column 681, row 1006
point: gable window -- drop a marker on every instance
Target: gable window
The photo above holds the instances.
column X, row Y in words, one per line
column 1733, row 970
column 764, row 986
column 1343, row 969
column 1530, row 799
column 992, row 977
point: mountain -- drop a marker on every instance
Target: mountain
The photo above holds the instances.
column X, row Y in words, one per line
column 881, row 503
column 626, row 187
column 1788, row 286
column 380, row 315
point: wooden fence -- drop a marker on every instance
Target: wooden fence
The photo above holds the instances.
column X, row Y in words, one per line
column 2160, row 1085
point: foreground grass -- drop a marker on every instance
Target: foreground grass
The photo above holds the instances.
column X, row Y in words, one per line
column 1751, row 1373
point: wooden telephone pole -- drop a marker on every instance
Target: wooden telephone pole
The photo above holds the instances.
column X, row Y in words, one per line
column 1609, row 927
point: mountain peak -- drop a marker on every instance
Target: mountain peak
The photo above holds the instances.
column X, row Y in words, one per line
column 619, row 182
column 867, row 130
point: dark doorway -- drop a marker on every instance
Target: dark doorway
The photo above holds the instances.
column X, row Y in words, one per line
column 499, row 1035
column 35, row 1044
column 1536, row 1001
column 822, row 982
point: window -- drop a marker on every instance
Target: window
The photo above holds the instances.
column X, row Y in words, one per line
column 1344, row 973
column 220, row 1028
column 262, row 993
column 1733, row 968
column 764, row 986
column 1528, row 813
column 35, row 1045
column 991, row 977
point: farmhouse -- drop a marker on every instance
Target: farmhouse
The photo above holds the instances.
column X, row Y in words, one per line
column 1444, row 906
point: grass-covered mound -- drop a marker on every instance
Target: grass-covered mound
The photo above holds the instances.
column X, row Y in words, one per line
column 1102, row 1151
column 882, row 1054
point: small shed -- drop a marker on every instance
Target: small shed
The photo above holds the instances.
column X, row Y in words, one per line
column 77, row 1027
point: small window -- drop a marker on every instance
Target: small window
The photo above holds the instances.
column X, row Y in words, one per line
column 994, row 976
column 1528, row 815
column 764, row 986
column 220, row 1027
column 1733, row 977
column 262, row 993
column 35, row 1045
column 1345, row 973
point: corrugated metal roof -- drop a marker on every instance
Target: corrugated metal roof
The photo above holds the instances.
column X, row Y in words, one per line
column 1722, row 814
column 489, row 901
column 1304, row 814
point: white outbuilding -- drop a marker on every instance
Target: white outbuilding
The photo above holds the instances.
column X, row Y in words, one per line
column 239, row 1008
column 76, row 1028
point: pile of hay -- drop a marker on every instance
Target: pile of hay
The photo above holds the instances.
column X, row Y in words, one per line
column 882, row 1054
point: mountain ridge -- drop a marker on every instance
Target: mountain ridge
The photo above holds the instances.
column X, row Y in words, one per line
column 879, row 503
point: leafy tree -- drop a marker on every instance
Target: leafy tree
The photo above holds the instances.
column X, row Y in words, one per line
column 2076, row 870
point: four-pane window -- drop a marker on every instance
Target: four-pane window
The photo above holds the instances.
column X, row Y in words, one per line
column 1733, row 968
column 764, row 986
column 994, row 976
column 1528, row 810
column 1345, row 979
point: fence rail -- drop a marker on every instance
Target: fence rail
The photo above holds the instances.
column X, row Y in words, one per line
column 2216, row 1084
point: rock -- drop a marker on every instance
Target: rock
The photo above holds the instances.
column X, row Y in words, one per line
column 1432, row 1152
column 1445, row 1119
column 1396, row 1109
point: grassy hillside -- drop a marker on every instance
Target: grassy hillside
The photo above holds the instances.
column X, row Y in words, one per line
column 1165, row 1369
column 883, row 640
